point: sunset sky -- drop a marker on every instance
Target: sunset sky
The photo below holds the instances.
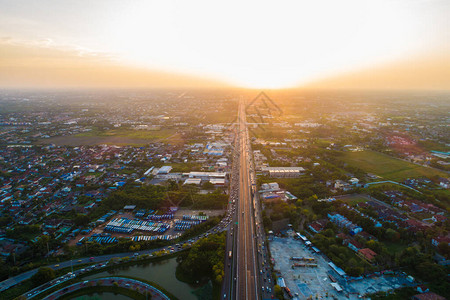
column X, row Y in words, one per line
column 379, row 44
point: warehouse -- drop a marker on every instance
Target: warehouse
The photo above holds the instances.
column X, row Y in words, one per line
column 195, row 181
column 206, row 175
column 283, row 172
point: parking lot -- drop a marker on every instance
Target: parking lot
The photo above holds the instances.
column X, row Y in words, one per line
column 311, row 280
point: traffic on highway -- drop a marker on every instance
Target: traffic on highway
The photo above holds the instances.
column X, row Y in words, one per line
column 247, row 267
column 247, row 274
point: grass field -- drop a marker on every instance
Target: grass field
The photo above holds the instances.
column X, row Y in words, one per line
column 430, row 145
column 119, row 137
column 394, row 248
column 388, row 167
column 130, row 133
column 353, row 199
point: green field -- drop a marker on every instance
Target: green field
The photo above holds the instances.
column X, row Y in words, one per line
column 130, row 133
column 394, row 248
column 120, row 137
column 353, row 199
column 388, row 167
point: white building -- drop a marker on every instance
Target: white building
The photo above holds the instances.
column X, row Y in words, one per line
column 283, row 172
column 195, row 181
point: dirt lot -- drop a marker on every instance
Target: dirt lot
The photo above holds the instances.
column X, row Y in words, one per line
column 306, row 281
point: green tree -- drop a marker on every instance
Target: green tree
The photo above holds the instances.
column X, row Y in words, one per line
column 392, row 235
column 444, row 249
column 278, row 292
column 205, row 259
column 43, row 275
column 81, row 220
column 374, row 245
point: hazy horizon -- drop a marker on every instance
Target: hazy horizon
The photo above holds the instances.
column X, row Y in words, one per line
column 385, row 45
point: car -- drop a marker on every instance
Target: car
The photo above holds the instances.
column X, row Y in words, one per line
column 56, row 266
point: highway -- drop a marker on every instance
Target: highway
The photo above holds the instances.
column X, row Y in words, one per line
column 242, row 269
column 247, row 272
column 12, row 281
column 247, row 286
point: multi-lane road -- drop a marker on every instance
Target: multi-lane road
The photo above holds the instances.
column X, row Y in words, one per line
column 246, row 273
column 10, row 282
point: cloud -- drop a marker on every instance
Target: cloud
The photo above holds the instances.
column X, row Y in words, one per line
column 42, row 64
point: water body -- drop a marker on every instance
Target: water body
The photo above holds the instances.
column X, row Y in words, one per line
column 102, row 296
column 161, row 272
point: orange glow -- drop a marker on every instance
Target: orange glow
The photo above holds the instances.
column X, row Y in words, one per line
column 253, row 44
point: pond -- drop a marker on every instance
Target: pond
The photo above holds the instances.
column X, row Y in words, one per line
column 161, row 272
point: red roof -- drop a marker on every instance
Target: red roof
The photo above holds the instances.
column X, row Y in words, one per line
column 442, row 239
column 316, row 227
column 439, row 218
column 367, row 253
column 356, row 244
column 343, row 236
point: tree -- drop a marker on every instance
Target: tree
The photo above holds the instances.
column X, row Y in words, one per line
column 430, row 271
column 43, row 275
column 205, row 259
column 278, row 291
column 444, row 249
column 374, row 245
column 392, row 235
column 81, row 220
column 208, row 186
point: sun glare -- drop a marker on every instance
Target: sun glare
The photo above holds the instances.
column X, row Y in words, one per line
column 262, row 44
column 257, row 44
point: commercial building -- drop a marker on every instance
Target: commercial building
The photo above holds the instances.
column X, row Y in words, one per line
column 164, row 170
column 283, row 172
column 195, row 181
column 206, row 175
